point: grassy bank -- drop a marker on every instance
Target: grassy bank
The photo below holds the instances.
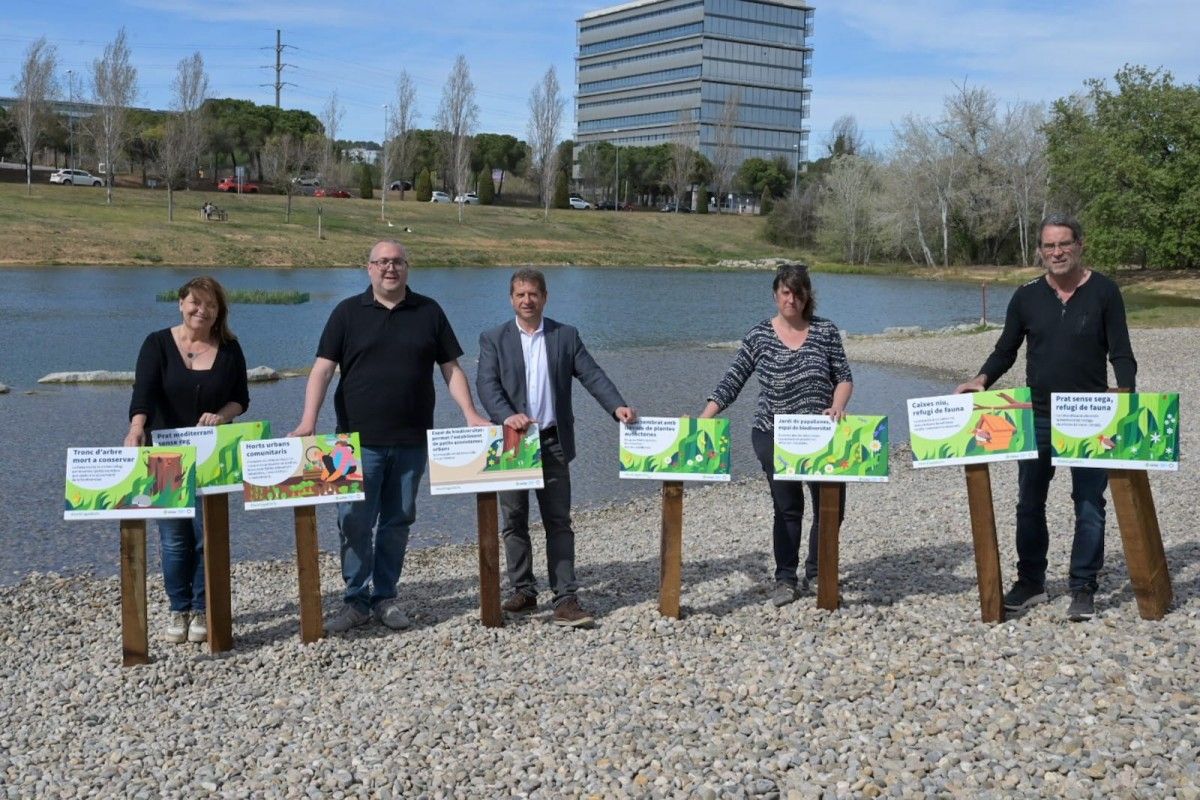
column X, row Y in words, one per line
column 72, row 225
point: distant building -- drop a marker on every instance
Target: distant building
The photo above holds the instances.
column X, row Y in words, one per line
column 363, row 155
column 653, row 71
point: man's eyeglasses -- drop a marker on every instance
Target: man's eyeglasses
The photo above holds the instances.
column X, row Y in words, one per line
column 398, row 263
column 1050, row 247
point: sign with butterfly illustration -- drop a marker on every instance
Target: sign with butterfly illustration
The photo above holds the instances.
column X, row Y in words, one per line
column 814, row 447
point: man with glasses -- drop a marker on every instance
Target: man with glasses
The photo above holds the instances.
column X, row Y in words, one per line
column 1073, row 320
column 386, row 342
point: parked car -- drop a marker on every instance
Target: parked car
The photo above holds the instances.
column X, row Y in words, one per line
column 230, row 184
column 470, row 198
column 400, row 186
column 75, row 177
column 609, row 205
column 322, row 192
column 439, row 197
column 670, row 208
column 307, row 181
column 578, row 203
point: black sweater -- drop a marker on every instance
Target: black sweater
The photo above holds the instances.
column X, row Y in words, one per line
column 173, row 396
column 1067, row 342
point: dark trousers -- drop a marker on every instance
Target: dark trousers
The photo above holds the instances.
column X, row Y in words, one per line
column 788, row 499
column 1033, row 536
column 554, row 501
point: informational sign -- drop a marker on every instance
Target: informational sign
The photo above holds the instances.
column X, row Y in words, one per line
column 675, row 449
column 490, row 458
column 812, row 447
column 218, row 468
column 130, row 482
column 302, row 471
column 1125, row 430
column 972, row 428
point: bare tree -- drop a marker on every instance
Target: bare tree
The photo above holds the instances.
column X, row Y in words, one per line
column 845, row 138
column 847, row 206
column 184, row 135
column 683, row 156
column 283, row 157
column 114, row 87
column 545, row 120
column 331, row 118
column 404, row 117
column 36, row 85
column 457, row 116
column 727, row 155
column 1027, row 170
column 936, row 167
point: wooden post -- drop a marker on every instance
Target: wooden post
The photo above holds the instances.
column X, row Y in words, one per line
column 135, row 643
column 216, row 572
column 829, row 527
column 487, row 510
column 671, row 549
column 1144, row 555
column 987, row 549
column 308, row 570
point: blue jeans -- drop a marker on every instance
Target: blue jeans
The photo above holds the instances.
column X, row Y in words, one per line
column 181, row 544
column 1033, row 536
column 374, row 531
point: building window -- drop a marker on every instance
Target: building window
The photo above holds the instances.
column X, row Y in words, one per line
column 661, row 76
column 636, row 39
column 641, row 57
column 625, row 20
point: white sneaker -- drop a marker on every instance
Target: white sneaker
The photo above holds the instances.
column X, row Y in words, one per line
column 345, row 618
column 198, row 629
column 177, row 628
column 390, row 614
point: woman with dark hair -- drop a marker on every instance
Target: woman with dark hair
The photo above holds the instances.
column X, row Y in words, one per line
column 188, row 375
column 802, row 369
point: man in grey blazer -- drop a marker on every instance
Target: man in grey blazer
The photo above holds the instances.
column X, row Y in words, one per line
column 524, row 377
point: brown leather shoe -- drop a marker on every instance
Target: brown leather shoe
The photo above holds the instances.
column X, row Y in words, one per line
column 569, row 614
column 519, row 603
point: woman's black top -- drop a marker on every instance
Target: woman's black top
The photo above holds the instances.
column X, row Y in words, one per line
column 173, row 396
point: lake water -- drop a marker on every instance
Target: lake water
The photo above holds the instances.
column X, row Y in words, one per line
column 647, row 327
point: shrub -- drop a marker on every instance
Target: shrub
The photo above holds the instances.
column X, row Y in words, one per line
column 766, row 202
column 366, row 186
column 487, row 189
column 424, row 187
column 561, row 195
column 701, row 201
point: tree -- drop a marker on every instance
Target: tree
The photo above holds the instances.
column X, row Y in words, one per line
column 1126, row 159
column 683, row 157
column 845, row 139
column 487, row 189
column 457, row 116
column 726, row 152
column 331, row 120
column 1025, row 171
column 935, row 167
column 758, row 175
column 114, row 87
column 702, row 201
column 501, row 151
column 404, row 116
column 545, row 120
column 34, row 88
column 424, row 187
column 284, row 156
column 562, row 197
column 846, row 207
column 365, row 183
column 183, row 135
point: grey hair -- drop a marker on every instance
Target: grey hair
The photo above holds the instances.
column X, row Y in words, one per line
column 392, row 242
column 1060, row 220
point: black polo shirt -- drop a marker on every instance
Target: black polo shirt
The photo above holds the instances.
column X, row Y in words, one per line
column 387, row 358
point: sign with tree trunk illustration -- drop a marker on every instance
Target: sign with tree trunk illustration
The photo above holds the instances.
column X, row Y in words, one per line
column 972, row 428
column 814, row 447
column 489, row 458
column 301, row 471
column 1117, row 430
column 218, row 466
column 130, row 482
column 675, row 449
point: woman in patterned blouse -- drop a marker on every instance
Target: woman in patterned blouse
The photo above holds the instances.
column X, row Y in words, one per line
column 802, row 369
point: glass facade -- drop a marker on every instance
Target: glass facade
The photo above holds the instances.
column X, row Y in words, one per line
column 585, row 27
column 639, row 57
column 634, row 40
column 640, row 98
column 661, row 76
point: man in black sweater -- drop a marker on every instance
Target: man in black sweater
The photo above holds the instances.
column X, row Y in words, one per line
column 1073, row 320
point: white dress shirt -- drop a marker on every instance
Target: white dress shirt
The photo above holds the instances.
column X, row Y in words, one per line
column 537, row 376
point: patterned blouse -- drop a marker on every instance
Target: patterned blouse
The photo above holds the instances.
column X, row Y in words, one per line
column 797, row 381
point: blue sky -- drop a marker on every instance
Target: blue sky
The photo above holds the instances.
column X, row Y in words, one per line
column 875, row 59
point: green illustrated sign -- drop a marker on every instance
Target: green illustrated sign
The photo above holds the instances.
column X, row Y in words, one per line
column 491, row 458
column 301, row 471
column 218, row 468
column 812, row 447
column 675, row 449
column 1126, row 430
column 130, row 482
column 972, row 428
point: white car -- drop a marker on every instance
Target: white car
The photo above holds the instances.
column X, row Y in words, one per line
column 439, row 197
column 578, row 203
column 76, row 177
column 470, row 198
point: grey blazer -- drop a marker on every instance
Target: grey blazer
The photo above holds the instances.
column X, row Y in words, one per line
column 500, row 378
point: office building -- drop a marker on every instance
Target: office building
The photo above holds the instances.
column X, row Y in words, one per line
column 654, row 71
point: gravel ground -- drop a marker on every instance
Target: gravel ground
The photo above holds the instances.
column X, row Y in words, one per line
column 900, row 693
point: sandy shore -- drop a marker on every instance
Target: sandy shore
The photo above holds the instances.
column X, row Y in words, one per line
column 900, row 693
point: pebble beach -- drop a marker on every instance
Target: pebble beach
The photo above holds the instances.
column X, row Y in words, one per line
column 901, row 692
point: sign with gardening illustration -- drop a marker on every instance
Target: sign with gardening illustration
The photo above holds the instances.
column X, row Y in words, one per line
column 130, row 482
column 490, row 458
column 1119, row 430
column 218, row 468
column 972, row 428
column 812, row 447
column 301, row 470
column 675, row 449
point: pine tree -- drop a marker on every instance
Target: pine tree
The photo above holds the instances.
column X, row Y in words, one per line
column 424, row 187
column 366, row 186
column 561, row 195
column 487, row 189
